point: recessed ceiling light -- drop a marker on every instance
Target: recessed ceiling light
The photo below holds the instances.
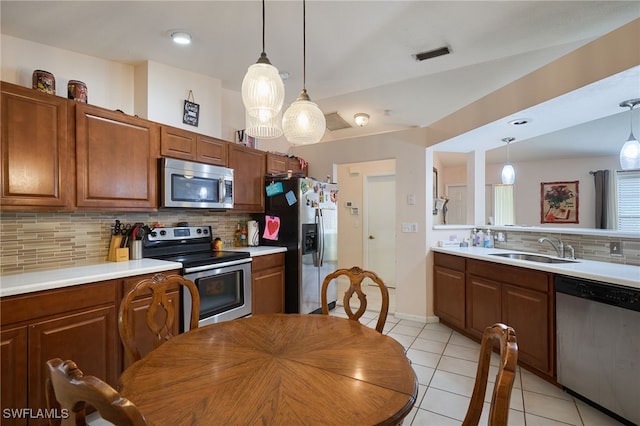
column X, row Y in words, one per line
column 284, row 75
column 520, row 121
column 181, row 37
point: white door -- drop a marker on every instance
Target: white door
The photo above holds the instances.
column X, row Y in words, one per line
column 380, row 227
column 457, row 205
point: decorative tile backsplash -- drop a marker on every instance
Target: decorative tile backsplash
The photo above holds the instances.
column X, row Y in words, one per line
column 36, row 241
column 586, row 246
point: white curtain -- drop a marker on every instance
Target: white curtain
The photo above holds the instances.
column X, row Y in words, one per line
column 503, row 205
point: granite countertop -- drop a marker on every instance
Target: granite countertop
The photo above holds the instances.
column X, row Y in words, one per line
column 30, row 282
column 614, row 273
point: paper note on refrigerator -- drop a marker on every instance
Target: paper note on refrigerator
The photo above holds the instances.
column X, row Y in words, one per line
column 271, row 227
column 291, row 198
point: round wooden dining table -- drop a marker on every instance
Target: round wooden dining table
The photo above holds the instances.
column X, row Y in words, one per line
column 276, row 369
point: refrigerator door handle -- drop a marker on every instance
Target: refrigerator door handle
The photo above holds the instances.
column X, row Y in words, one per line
column 320, row 236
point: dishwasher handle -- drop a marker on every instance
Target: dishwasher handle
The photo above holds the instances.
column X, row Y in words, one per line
column 611, row 294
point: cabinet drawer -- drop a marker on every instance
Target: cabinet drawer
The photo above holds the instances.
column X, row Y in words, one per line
column 51, row 302
column 457, row 263
column 522, row 277
column 267, row 261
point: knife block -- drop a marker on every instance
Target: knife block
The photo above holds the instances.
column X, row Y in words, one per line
column 117, row 254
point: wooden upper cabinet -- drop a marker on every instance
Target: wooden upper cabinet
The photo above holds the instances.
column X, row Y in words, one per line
column 116, row 160
column 277, row 164
column 37, row 150
column 178, row 143
column 186, row 145
column 249, row 167
column 211, row 150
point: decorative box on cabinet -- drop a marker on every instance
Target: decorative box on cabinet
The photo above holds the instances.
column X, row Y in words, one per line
column 267, row 284
column 249, row 167
column 37, row 150
column 77, row 323
column 116, row 159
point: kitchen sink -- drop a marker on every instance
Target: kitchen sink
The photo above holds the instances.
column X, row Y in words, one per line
column 533, row 257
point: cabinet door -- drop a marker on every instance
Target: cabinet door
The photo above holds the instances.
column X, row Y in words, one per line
column 177, row 143
column 527, row 311
column 144, row 337
column 449, row 295
column 116, row 160
column 211, row 150
column 294, row 165
column 267, row 284
column 37, row 150
column 13, row 352
column 88, row 338
column 249, row 170
column 276, row 164
column 483, row 304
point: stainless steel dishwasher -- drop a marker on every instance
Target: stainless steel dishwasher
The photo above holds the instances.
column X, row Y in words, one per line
column 598, row 344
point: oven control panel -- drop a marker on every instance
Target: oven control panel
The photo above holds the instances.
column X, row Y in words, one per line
column 179, row 233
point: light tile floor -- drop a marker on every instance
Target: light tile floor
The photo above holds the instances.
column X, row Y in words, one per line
column 445, row 363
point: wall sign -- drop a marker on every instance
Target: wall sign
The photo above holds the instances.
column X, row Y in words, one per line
column 191, row 111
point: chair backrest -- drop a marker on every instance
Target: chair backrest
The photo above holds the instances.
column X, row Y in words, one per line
column 160, row 316
column 356, row 276
column 70, row 390
column 505, row 336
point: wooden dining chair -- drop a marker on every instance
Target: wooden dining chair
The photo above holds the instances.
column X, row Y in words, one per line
column 68, row 389
column 159, row 317
column 505, row 336
column 356, row 276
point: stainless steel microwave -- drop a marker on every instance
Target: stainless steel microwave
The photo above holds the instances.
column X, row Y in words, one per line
column 195, row 185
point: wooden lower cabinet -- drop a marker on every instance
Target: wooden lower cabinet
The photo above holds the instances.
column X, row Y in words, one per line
column 89, row 338
column 13, row 363
column 77, row 323
column 267, row 284
column 144, row 337
column 449, row 289
column 519, row 297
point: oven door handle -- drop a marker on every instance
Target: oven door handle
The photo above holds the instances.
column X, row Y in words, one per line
column 215, row 266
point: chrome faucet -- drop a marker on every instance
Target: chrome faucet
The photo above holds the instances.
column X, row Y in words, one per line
column 558, row 248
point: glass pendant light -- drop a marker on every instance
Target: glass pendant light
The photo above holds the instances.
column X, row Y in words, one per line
column 263, row 96
column 508, row 172
column 303, row 122
column 630, row 152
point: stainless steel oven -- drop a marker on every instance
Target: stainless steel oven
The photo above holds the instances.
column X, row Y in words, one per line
column 223, row 278
column 224, row 289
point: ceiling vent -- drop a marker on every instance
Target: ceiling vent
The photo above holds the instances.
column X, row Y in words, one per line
column 432, row 53
column 335, row 122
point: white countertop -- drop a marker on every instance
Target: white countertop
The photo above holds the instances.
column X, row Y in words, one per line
column 259, row 250
column 30, row 282
column 614, row 273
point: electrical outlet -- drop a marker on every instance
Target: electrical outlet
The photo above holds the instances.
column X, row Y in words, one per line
column 615, row 248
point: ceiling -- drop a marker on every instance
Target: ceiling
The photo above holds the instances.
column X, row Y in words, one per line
column 359, row 53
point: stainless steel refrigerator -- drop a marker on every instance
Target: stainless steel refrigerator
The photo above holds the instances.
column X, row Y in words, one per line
column 301, row 214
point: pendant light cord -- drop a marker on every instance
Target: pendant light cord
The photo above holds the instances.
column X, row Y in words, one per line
column 304, row 45
column 263, row 21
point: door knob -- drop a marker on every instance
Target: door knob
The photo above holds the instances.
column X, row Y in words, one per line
column 371, row 237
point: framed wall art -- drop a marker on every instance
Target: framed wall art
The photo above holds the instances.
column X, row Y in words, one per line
column 559, row 202
column 191, row 111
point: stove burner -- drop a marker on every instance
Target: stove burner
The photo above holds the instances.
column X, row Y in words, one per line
column 189, row 245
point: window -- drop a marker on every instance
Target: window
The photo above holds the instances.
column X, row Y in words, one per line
column 503, row 205
column 628, row 200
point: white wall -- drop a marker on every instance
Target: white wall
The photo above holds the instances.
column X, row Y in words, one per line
column 407, row 148
column 109, row 84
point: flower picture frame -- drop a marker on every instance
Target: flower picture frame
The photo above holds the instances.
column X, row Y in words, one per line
column 559, row 202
